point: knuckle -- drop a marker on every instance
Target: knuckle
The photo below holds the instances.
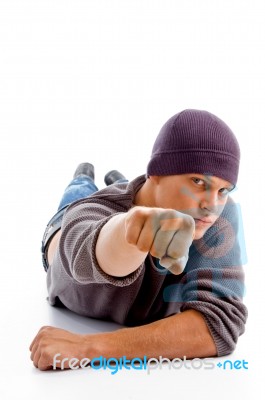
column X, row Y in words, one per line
column 190, row 223
column 45, row 330
column 171, row 213
column 130, row 219
column 174, row 253
column 138, row 212
column 156, row 253
column 42, row 335
column 175, row 269
column 42, row 364
column 43, row 342
column 129, row 237
column 142, row 247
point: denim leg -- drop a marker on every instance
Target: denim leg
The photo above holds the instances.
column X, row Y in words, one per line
column 79, row 188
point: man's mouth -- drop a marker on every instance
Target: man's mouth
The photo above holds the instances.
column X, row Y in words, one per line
column 203, row 221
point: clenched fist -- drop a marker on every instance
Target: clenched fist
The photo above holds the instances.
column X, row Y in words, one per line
column 165, row 233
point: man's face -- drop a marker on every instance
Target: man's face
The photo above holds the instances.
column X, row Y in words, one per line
column 201, row 196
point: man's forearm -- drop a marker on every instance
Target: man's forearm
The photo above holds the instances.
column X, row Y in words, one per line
column 180, row 335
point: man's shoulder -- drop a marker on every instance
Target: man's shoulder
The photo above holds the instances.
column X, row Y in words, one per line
column 121, row 189
column 118, row 197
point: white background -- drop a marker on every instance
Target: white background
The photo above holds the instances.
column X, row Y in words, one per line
column 95, row 81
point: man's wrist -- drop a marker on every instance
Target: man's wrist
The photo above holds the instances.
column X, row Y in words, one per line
column 98, row 345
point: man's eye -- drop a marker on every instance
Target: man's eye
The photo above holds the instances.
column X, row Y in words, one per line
column 224, row 191
column 198, row 181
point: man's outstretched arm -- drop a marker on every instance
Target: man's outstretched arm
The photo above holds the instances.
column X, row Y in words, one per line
column 184, row 334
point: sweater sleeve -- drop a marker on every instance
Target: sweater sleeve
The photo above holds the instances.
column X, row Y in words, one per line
column 213, row 283
column 76, row 253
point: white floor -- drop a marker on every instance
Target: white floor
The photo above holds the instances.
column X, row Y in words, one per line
column 95, row 81
column 24, row 310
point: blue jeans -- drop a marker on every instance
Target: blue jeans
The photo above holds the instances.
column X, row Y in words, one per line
column 78, row 189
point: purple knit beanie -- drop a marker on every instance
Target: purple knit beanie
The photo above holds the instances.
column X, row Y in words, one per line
column 195, row 141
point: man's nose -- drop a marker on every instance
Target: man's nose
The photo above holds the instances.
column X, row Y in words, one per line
column 210, row 201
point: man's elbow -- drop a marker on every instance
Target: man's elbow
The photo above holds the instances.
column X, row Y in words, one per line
column 226, row 342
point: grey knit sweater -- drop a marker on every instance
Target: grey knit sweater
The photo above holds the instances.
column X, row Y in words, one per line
column 211, row 283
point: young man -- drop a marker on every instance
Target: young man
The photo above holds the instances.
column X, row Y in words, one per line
column 159, row 254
